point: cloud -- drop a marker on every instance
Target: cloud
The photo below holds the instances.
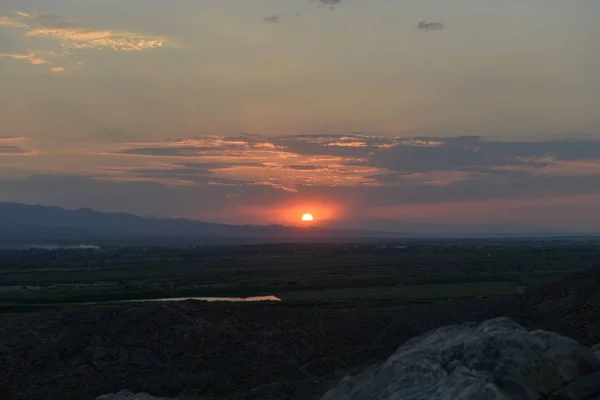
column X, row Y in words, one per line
column 289, row 162
column 9, row 146
column 31, row 57
column 203, row 145
column 71, row 37
column 331, row 4
column 12, row 150
column 384, row 182
column 304, row 167
column 272, row 19
column 24, row 15
column 259, row 160
column 165, row 151
column 80, row 38
column 373, row 175
column 430, row 26
column 12, row 22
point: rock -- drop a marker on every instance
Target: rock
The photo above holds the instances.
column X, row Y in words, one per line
column 561, row 353
column 76, row 362
column 169, row 384
column 80, row 371
column 123, row 356
column 596, row 350
column 127, row 395
column 44, row 357
column 557, row 305
column 144, row 358
column 581, row 389
column 99, row 354
column 497, row 359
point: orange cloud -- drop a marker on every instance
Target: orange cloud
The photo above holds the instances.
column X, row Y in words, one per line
column 254, row 160
column 283, row 177
column 551, row 166
column 80, row 38
column 12, row 22
column 11, row 146
column 348, row 144
column 31, row 57
column 72, row 37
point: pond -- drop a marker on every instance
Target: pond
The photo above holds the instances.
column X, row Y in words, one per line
column 232, row 299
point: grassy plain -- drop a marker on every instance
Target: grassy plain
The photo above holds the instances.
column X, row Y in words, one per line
column 303, row 274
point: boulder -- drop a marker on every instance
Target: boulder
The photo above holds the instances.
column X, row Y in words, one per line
column 496, row 359
column 596, row 349
column 583, row 388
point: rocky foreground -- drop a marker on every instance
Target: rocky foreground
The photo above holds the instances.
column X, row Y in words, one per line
column 247, row 351
column 494, row 360
column 254, row 351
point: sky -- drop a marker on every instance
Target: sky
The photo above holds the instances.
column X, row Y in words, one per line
column 403, row 115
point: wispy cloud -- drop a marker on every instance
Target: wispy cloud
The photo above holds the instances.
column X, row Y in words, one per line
column 292, row 162
column 430, row 26
column 255, row 160
column 12, row 139
column 31, row 57
column 24, row 15
column 14, row 150
column 72, row 37
column 272, row 19
column 11, row 146
column 80, row 38
column 12, row 22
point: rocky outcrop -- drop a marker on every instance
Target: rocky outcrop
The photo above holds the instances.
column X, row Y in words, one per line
column 496, row 359
column 251, row 351
column 194, row 349
column 569, row 306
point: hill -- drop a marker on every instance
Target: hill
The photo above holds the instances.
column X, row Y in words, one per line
column 36, row 224
column 249, row 351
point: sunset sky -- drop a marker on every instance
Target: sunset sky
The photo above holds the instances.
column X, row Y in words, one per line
column 257, row 111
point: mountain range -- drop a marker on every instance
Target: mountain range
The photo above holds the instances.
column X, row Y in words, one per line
column 35, row 224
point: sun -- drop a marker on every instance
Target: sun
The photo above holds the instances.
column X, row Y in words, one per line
column 307, row 217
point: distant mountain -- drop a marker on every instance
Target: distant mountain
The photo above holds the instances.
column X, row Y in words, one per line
column 35, row 224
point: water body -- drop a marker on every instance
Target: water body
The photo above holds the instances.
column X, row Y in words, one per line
column 232, row 299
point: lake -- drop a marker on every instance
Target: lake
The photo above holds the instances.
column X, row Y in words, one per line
column 232, row 299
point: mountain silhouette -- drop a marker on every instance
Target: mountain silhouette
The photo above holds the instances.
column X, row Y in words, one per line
column 36, row 224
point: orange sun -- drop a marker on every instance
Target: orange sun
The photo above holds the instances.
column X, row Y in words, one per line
column 307, row 217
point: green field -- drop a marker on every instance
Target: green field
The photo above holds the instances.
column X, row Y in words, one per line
column 406, row 293
column 413, row 271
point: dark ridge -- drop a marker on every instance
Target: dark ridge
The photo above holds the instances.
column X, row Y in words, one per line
column 35, row 224
column 242, row 350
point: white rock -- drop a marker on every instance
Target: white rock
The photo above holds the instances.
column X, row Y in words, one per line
column 497, row 359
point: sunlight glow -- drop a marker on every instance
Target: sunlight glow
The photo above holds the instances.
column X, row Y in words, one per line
column 307, row 217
